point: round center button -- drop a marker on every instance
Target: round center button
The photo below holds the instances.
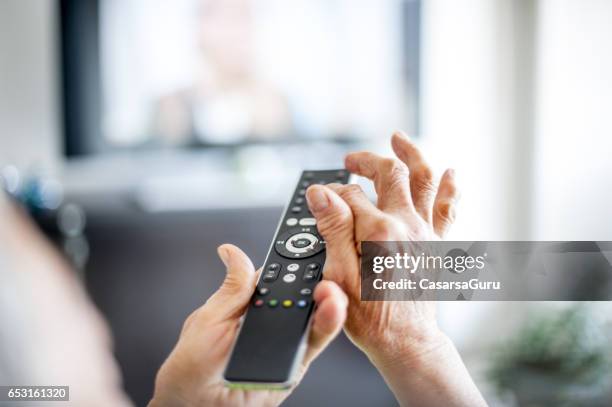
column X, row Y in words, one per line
column 301, row 243
column 289, row 278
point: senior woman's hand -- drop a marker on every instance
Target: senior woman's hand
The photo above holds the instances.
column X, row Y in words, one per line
column 401, row 338
column 192, row 374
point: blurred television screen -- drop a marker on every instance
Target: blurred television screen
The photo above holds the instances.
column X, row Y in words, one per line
column 189, row 73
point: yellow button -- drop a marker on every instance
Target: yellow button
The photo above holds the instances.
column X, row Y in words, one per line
column 287, row 303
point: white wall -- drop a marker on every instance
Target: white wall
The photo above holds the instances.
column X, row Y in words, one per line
column 461, row 108
column 477, row 86
column 28, row 83
column 518, row 98
column 471, row 86
column 574, row 128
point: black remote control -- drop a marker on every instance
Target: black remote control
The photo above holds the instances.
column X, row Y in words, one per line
column 272, row 339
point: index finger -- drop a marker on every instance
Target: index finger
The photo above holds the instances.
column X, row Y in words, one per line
column 390, row 176
column 421, row 176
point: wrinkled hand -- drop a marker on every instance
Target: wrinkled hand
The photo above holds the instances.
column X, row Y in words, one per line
column 192, row 374
column 410, row 207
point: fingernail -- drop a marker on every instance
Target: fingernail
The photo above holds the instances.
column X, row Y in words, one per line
column 451, row 172
column 317, row 200
column 400, row 134
column 349, row 161
column 223, row 255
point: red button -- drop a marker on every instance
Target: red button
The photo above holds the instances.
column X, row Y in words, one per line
column 259, row 303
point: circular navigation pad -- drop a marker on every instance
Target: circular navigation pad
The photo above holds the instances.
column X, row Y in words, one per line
column 299, row 243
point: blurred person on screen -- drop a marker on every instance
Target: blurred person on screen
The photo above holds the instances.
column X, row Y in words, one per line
column 227, row 101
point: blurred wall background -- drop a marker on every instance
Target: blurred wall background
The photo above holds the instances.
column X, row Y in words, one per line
column 516, row 95
column 29, row 109
column 573, row 126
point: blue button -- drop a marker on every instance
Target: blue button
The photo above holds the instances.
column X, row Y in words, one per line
column 302, row 303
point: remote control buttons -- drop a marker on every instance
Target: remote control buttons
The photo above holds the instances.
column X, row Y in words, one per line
column 299, row 243
column 291, row 222
column 309, row 276
column 305, row 291
column 293, row 267
column 308, row 221
column 312, row 272
column 263, row 290
column 287, row 304
column 272, row 303
column 299, row 200
column 289, row 278
column 271, row 272
column 270, row 276
column 302, row 303
column 302, row 192
column 258, row 303
column 296, row 209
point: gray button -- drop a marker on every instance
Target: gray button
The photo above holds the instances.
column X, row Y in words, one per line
column 289, row 278
column 291, row 222
column 270, row 276
column 293, row 267
column 309, row 275
column 274, row 267
column 308, row 221
column 305, row 291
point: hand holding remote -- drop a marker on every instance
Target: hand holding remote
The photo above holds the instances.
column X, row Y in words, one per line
column 192, row 374
column 402, row 339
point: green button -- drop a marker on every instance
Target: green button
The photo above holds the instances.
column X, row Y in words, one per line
column 273, row 303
